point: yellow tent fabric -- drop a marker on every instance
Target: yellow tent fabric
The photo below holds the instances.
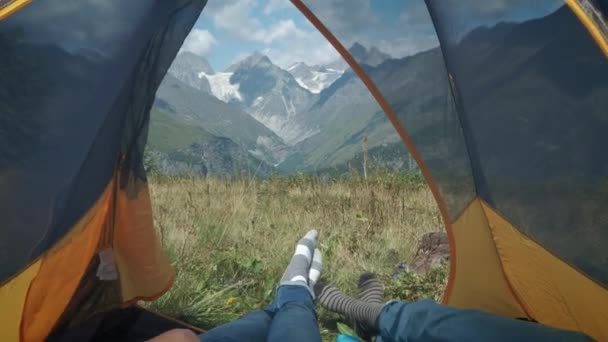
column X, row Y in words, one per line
column 8, row 7
column 43, row 291
column 550, row 289
column 479, row 282
column 51, row 290
column 12, row 296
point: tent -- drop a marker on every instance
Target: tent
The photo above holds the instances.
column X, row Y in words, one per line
column 516, row 160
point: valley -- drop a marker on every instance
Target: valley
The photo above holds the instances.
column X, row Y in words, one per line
column 303, row 118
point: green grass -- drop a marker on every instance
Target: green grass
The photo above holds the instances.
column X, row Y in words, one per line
column 230, row 241
column 168, row 134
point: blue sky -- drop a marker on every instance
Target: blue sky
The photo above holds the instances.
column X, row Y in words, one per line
column 229, row 30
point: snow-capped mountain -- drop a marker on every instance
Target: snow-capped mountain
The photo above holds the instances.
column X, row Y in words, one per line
column 195, row 71
column 187, row 66
column 272, row 96
column 304, row 117
column 314, row 78
column 280, row 99
column 255, row 85
column 221, row 87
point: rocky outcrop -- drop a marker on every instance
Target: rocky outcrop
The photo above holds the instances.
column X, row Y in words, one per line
column 433, row 250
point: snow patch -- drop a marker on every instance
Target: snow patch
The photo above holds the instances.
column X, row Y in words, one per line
column 319, row 80
column 258, row 100
column 257, row 153
column 289, row 107
column 294, row 65
column 221, row 87
column 302, row 84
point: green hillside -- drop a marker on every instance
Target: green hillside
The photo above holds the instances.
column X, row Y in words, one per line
column 168, row 133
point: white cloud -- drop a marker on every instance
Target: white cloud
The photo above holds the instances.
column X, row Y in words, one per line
column 354, row 21
column 317, row 52
column 408, row 45
column 276, row 5
column 235, row 18
column 418, row 35
column 347, row 19
column 240, row 56
column 199, row 42
column 283, row 30
column 267, row 25
column 415, row 16
column 283, row 40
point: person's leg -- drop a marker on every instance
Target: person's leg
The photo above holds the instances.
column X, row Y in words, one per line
column 370, row 291
column 293, row 309
column 176, row 335
column 428, row 321
column 365, row 314
column 294, row 316
column 253, row 327
column 291, row 316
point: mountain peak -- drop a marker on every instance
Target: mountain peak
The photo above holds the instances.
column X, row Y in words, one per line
column 189, row 54
column 373, row 57
column 374, row 49
column 314, row 78
column 255, row 59
column 297, row 65
column 193, row 62
column 357, row 50
column 187, row 67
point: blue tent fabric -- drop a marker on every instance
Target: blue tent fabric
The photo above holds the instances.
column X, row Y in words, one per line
column 78, row 81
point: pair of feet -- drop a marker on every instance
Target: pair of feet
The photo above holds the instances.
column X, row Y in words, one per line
column 305, row 270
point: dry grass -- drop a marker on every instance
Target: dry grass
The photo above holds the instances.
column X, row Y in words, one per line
column 231, row 240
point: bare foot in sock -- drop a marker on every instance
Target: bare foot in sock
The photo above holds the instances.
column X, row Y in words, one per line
column 370, row 291
column 364, row 313
column 305, row 266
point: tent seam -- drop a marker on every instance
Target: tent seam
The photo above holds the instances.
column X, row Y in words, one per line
column 515, row 294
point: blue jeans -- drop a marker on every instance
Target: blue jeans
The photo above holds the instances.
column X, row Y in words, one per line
column 290, row 317
column 428, row 321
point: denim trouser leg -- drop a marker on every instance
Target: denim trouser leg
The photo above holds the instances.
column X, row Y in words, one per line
column 290, row 317
column 253, row 327
column 294, row 316
column 428, row 321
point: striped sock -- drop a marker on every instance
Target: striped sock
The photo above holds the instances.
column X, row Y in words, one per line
column 297, row 272
column 370, row 289
column 333, row 300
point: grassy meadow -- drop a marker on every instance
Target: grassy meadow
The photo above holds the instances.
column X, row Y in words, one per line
column 230, row 240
